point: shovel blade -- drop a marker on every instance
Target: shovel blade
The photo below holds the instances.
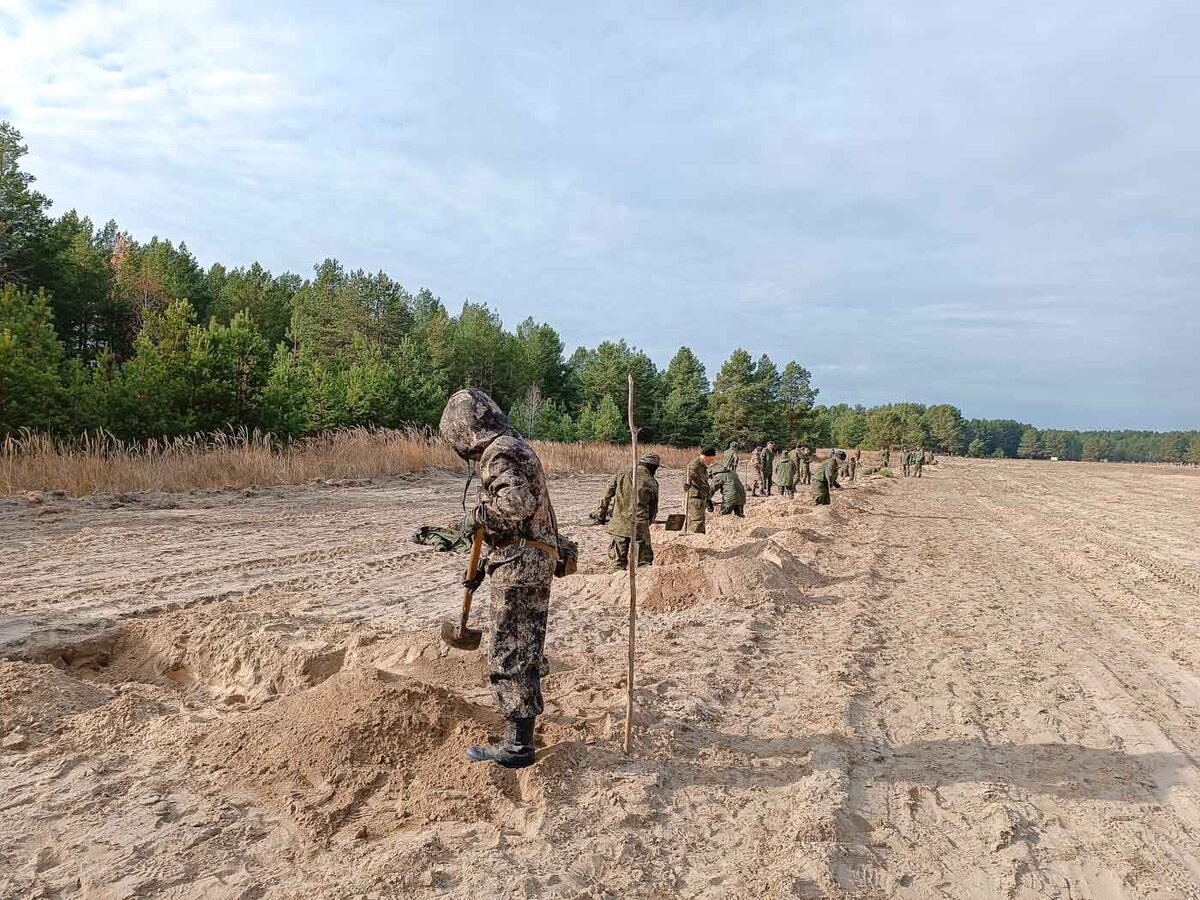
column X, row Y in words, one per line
column 674, row 522
column 467, row 639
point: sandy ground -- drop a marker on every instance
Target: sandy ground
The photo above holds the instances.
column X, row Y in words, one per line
column 982, row 683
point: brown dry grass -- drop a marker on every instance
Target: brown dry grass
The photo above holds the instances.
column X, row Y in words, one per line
column 101, row 464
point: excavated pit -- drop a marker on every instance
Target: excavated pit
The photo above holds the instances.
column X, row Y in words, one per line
column 230, row 657
column 363, row 754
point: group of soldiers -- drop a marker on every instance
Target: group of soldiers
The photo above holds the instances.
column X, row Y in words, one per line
column 911, row 461
column 709, row 481
column 525, row 549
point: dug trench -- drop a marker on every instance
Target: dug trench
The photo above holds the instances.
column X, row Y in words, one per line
column 818, row 713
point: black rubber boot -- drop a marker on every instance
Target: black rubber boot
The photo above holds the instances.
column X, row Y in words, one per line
column 513, row 751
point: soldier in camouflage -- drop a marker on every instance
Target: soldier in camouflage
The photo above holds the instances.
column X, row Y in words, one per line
column 827, row 477
column 756, row 469
column 698, row 491
column 732, row 491
column 513, row 510
column 768, row 467
column 803, row 458
column 885, row 457
column 620, row 497
column 731, row 459
column 785, row 475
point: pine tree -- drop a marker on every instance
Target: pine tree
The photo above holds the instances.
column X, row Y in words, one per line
column 31, row 390
column 685, row 419
column 796, row 398
column 732, row 404
column 23, row 219
column 1031, row 444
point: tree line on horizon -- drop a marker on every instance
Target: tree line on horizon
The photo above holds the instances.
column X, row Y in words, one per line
column 99, row 331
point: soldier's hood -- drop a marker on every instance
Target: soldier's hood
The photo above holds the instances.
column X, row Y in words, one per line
column 471, row 421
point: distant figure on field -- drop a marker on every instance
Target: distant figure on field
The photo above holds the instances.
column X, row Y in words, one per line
column 756, row 464
column 623, row 496
column 885, row 457
column 827, row 477
column 919, row 463
column 513, row 511
column 697, row 490
column 854, row 464
column 785, row 475
column 731, row 489
column 730, row 462
column 906, row 461
column 768, row 467
column 803, row 459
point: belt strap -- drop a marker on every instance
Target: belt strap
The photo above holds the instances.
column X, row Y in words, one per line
column 549, row 549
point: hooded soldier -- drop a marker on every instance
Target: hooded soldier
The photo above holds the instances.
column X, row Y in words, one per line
column 513, row 510
column 621, row 497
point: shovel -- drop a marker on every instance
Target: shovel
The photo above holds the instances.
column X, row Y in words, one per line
column 673, row 522
column 460, row 635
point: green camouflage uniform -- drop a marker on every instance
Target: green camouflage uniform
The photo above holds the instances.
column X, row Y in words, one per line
column 620, row 494
column 885, row 457
column 697, row 491
column 826, row 477
column 803, row 460
column 768, row 469
column 918, row 463
column 513, row 502
column 733, row 492
column 730, row 461
column 785, row 475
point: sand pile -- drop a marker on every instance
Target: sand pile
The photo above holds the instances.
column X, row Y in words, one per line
column 35, row 699
column 364, row 754
column 723, row 570
column 229, row 656
column 423, row 656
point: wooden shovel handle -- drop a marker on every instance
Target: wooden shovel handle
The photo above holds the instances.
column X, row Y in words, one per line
column 472, row 570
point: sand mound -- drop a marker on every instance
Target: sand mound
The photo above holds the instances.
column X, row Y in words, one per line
column 34, row 699
column 423, row 656
column 363, row 754
column 230, row 656
column 748, row 573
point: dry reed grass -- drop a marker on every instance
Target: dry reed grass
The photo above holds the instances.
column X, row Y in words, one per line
column 102, row 464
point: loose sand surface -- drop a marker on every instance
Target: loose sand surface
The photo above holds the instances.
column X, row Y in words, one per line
column 983, row 683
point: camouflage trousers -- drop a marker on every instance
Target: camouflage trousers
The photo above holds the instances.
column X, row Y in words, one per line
column 516, row 662
column 618, row 552
column 734, row 509
column 696, row 511
column 806, row 474
column 820, row 493
column 787, row 490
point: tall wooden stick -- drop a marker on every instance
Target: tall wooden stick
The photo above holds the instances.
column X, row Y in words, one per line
column 633, row 561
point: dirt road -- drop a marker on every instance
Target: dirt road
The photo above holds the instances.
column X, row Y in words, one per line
column 982, row 683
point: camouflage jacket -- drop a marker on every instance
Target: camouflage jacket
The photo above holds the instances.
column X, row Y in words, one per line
column 828, row 472
column 785, row 471
column 513, row 500
column 768, row 461
column 620, row 494
column 730, row 487
column 696, row 486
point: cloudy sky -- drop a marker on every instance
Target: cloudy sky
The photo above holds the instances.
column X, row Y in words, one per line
column 994, row 204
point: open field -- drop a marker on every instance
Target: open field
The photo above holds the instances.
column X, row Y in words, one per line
column 984, row 683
